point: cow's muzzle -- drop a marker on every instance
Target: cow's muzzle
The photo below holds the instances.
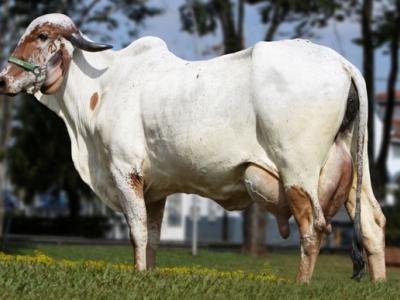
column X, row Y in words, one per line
column 4, row 87
column 3, row 84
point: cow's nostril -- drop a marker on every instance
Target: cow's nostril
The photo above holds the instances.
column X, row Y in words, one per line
column 2, row 83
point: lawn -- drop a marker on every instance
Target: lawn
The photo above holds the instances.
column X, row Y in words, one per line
column 105, row 272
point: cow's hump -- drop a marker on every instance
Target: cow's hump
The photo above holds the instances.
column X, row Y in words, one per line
column 145, row 45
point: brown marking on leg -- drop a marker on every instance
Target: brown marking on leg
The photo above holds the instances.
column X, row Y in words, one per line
column 137, row 184
column 310, row 238
column 300, row 204
column 155, row 212
column 94, row 100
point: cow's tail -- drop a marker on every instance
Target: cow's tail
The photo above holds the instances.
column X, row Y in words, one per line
column 357, row 246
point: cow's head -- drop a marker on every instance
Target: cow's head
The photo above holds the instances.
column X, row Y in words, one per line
column 43, row 54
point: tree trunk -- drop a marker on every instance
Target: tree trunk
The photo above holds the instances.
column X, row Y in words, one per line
column 279, row 14
column 254, row 230
column 232, row 41
column 240, row 22
column 5, row 125
column 369, row 69
column 225, row 226
column 381, row 170
column 4, row 138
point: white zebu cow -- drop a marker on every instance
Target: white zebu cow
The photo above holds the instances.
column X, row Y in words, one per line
column 281, row 122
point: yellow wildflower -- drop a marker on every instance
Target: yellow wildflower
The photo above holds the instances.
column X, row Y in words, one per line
column 41, row 258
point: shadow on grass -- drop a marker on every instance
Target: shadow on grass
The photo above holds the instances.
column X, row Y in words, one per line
column 17, row 249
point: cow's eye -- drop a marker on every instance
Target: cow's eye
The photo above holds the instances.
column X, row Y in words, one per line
column 43, row 36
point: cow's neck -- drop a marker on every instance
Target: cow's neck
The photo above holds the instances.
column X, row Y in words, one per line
column 84, row 80
column 72, row 104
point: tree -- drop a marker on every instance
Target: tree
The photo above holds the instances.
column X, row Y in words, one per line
column 204, row 16
column 369, row 71
column 388, row 34
column 378, row 29
column 8, row 30
column 39, row 157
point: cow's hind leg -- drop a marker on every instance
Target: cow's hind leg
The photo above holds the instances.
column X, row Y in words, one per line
column 372, row 225
column 310, row 238
column 265, row 188
column 155, row 212
column 333, row 189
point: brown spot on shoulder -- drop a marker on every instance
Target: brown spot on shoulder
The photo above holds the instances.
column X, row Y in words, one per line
column 94, row 100
column 137, row 183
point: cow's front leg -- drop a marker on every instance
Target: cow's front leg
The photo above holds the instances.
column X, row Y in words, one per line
column 130, row 186
column 310, row 238
column 135, row 214
column 155, row 212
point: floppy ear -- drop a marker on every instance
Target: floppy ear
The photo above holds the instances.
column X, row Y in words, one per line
column 56, row 69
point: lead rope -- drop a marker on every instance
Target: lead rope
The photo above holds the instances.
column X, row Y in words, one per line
column 38, row 70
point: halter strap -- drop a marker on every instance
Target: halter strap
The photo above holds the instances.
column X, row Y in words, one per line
column 38, row 70
column 24, row 64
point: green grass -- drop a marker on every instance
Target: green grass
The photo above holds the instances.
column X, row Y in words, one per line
column 21, row 280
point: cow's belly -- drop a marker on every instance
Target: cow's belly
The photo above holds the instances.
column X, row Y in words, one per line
column 212, row 169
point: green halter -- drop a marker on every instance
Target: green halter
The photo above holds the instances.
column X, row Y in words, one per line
column 24, row 64
column 38, row 70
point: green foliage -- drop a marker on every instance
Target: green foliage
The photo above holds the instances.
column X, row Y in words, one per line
column 385, row 23
column 392, row 214
column 304, row 15
column 112, row 14
column 203, row 14
column 19, row 280
column 39, row 158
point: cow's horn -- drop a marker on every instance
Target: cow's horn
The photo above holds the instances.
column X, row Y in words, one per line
column 82, row 42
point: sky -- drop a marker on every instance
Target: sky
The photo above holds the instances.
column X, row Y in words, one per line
column 167, row 26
